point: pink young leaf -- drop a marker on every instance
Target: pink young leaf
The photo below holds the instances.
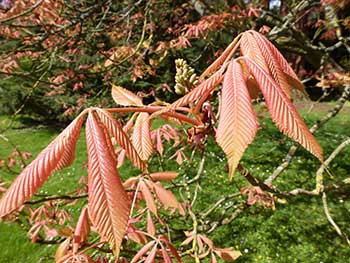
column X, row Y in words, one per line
column 147, row 195
column 237, row 124
column 125, row 97
column 166, row 256
column 159, row 144
column 109, row 204
column 121, row 158
column 150, row 258
column 206, row 240
column 179, row 154
column 187, row 240
column 166, row 197
column 141, row 136
column 227, row 54
column 290, row 75
column 142, row 251
column 171, row 247
column 82, row 230
column 62, row 249
column 131, row 182
column 135, row 235
column 260, row 53
column 151, row 229
column 213, row 258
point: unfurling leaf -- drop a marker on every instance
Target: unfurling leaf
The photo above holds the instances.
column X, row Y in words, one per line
column 282, row 111
column 141, row 136
column 82, row 230
column 57, row 155
column 109, row 205
column 116, row 129
column 237, row 124
column 125, row 97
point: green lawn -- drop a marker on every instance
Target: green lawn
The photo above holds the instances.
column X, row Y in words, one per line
column 15, row 246
column 297, row 231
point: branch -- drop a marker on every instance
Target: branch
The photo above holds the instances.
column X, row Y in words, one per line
column 219, row 202
column 227, row 220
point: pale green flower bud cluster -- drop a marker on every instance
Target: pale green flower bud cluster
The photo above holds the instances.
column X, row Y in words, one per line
column 186, row 79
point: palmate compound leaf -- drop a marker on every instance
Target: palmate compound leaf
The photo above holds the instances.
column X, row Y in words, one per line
column 141, row 136
column 109, row 205
column 282, row 111
column 237, row 124
column 57, row 155
column 116, row 129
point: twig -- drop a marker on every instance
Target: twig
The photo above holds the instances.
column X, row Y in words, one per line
column 139, row 44
column 331, row 221
column 319, row 174
column 257, row 182
column 219, row 202
column 239, row 210
column 199, row 171
column 195, row 229
column 287, row 160
column 55, row 197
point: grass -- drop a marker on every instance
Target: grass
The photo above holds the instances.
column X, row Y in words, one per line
column 15, row 246
column 297, row 231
